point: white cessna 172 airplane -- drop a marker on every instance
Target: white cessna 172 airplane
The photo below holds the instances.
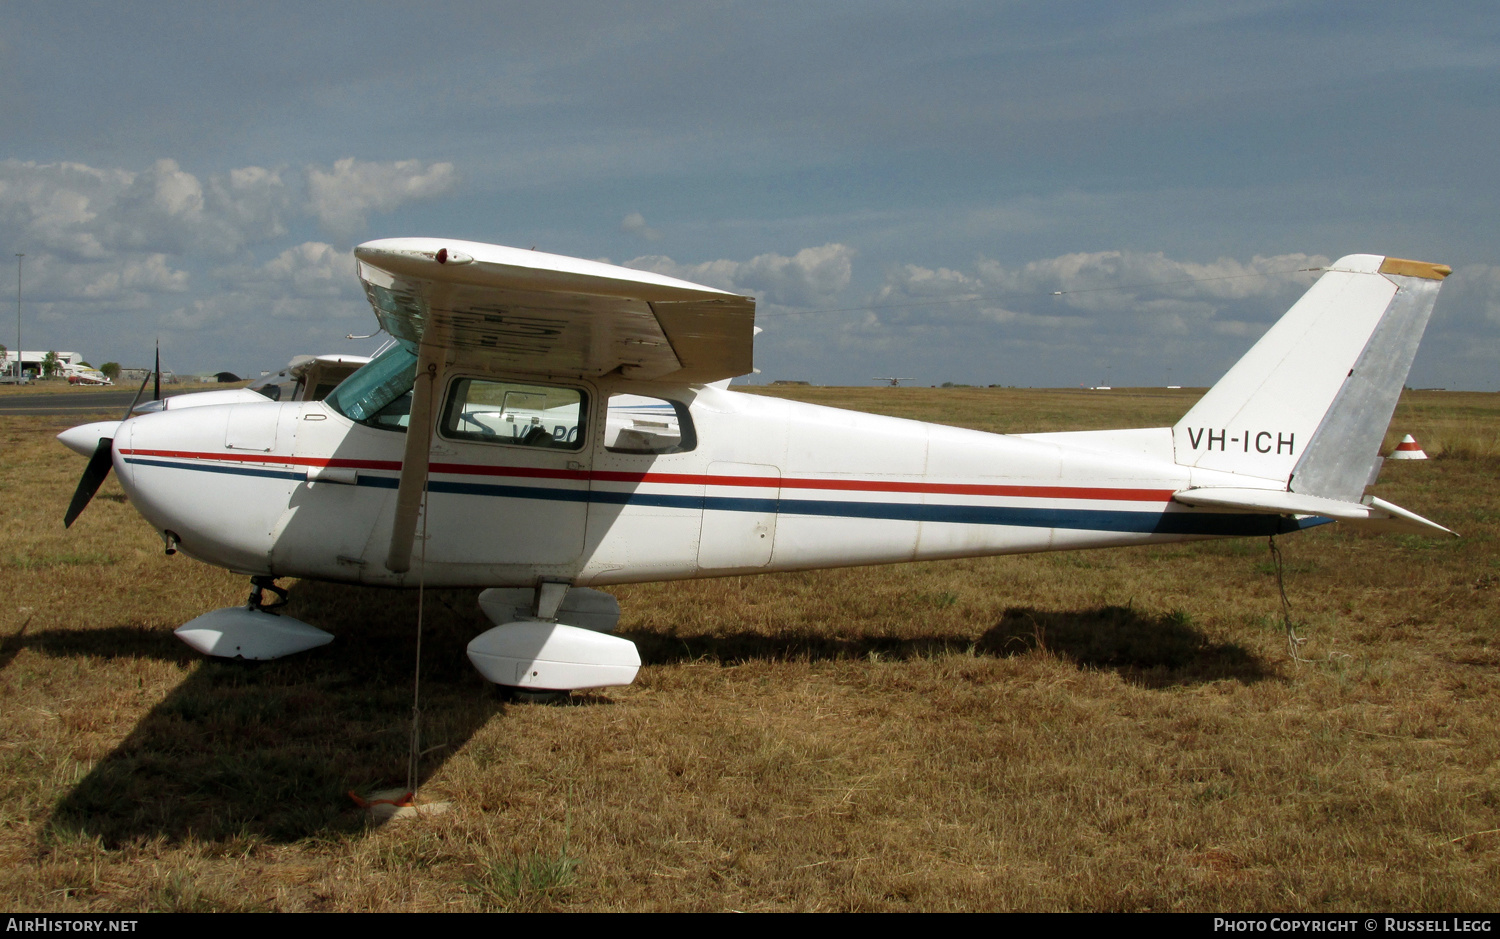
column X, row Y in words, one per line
column 546, row 425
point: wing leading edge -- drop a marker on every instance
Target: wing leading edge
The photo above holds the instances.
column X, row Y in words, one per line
column 530, row 311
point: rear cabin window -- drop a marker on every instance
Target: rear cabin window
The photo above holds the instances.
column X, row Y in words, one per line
column 642, row 424
column 517, row 414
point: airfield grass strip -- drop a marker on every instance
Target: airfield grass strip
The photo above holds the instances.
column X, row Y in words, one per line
column 1099, row 730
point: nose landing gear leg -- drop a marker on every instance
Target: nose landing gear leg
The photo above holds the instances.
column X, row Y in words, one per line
column 258, row 586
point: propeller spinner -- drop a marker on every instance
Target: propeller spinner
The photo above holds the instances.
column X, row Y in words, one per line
column 101, row 438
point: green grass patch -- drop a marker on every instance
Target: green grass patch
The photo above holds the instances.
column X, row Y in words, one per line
column 44, row 561
column 521, row 882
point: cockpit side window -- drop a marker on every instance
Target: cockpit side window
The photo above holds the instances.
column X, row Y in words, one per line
column 379, row 394
column 546, row 416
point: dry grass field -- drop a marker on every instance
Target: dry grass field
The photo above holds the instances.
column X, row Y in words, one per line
column 1103, row 730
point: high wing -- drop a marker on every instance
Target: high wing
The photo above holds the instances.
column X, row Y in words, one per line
column 529, row 311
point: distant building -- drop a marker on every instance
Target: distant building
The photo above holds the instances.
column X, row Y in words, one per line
column 139, row 374
column 31, row 362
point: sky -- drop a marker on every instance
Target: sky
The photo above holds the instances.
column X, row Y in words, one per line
column 1030, row 194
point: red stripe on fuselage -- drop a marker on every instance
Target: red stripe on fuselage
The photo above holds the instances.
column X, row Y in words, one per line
column 392, row 465
column 693, row 479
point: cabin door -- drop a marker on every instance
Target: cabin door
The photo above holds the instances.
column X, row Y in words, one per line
column 508, row 479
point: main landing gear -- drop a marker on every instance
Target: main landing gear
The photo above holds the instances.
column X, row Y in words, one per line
column 546, row 642
column 552, row 640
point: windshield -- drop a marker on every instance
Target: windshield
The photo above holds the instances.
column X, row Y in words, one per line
column 278, row 387
column 378, row 394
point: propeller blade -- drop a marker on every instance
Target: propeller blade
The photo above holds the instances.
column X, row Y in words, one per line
column 137, row 399
column 156, row 389
column 92, row 479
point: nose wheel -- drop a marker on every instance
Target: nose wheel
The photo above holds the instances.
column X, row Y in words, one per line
column 255, row 631
column 533, row 696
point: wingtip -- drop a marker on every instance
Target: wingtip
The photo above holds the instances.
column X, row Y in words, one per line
column 1426, row 270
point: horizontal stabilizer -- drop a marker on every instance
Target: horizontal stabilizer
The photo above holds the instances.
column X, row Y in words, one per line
column 1372, row 514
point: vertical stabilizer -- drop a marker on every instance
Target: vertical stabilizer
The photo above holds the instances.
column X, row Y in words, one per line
column 1309, row 404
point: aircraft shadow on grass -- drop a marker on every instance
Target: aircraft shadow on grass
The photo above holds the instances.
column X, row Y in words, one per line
column 270, row 750
column 1153, row 651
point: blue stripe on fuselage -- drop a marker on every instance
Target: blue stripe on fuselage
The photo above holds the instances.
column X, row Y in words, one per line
column 222, row 468
column 1159, row 523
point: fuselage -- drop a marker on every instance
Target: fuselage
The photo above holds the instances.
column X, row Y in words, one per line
column 613, row 481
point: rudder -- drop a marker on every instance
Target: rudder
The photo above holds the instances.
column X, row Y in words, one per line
column 1309, row 404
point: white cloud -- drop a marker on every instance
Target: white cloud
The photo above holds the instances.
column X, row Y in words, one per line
column 149, row 275
column 198, row 315
column 161, row 208
column 83, row 213
column 635, row 224
column 113, row 243
column 55, row 207
column 1101, row 280
column 811, row 277
column 125, row 282
column 310, row 281
column 910, row 280
column 1105, row 289
column 343, row 197
column 313, row 269
column 1076, row 317
column 720, row 274
column 114, row 254
column 254, row 200
column 1471, row 295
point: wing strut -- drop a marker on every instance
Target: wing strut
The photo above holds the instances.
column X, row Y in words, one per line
column 431, row 364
